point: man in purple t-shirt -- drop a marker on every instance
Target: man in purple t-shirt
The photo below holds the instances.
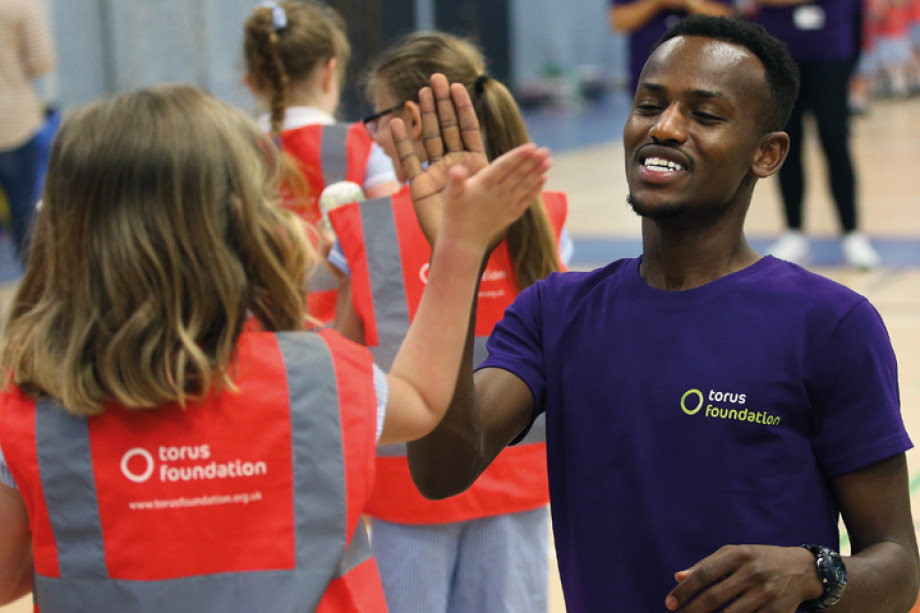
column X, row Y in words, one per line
column 711, row 414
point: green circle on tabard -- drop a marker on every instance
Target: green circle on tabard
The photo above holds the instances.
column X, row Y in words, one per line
column 683, row 402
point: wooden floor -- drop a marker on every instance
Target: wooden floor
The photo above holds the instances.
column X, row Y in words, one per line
column 886, row 155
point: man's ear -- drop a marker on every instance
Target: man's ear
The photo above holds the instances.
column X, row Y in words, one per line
column 770, row 155
column 413, row 120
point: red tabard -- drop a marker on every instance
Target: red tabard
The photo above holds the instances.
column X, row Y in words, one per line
column 305, row 145
column 516, row 480
column 208, row 491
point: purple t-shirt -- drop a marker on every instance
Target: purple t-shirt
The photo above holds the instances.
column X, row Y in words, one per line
column 678, row 422
column 824, row 30
column 643, row 39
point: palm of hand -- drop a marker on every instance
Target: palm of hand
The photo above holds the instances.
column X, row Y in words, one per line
column 428, row 185
column 450, row 137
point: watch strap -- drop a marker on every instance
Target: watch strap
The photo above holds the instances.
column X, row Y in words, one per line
column 833, row 575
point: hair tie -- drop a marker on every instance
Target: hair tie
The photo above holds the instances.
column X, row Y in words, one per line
column 279, row 17
column 479, row 85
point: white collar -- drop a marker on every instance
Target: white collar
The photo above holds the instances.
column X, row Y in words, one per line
column 297, row 117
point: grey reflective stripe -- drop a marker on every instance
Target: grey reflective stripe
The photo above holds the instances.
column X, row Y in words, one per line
column 334, row 153
column 321, row 279
column 316, row 443
column 319, row 503
column 537, row 432
column 358, row 552
column 388, row 291
column 480, row 353
column 66, row 472
column 226, row 592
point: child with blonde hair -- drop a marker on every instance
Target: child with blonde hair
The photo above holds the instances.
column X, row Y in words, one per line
column 486, row 549
column 296, row 55
column 158, row 454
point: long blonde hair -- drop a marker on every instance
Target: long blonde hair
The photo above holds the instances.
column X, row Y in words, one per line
column 407, row 66
column 159, row 233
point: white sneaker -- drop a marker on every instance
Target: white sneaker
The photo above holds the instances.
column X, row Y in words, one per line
column 859, row 252
column 792, row 247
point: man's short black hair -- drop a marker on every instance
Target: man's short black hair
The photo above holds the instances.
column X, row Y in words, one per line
column 782, row 72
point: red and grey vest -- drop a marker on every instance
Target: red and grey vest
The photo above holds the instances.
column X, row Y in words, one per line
column 388, row 258
column 325, row 154
column 248, row 501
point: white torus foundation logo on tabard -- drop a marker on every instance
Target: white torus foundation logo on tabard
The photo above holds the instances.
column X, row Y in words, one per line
column 724, row 405
column 185, row 463
column 137, row 452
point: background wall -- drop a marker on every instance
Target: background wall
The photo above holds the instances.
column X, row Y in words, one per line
column 110, row 46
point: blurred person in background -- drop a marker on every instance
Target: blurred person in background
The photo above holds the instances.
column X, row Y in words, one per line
column 822, row 40
column 296, row 56
column 26, row 52
column 644, row 21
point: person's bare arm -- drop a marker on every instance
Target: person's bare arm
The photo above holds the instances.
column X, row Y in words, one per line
column 488, row 410
column 15, row 547
column 383, row 189
column 883, row 571
column 483, row 417
column 629, row 17
column 782, row 2
column 347, row 321
column 476, row 212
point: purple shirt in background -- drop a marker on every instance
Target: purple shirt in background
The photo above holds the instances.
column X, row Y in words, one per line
column 642, row 40
column 678, row 422
column 817, row 31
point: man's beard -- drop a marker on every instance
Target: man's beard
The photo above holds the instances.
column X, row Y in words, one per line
column 664, row 213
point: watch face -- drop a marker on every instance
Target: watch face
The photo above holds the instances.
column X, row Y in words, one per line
column 833, row 574
column 837, row 573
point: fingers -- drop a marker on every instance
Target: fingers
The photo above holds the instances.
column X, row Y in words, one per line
column 431, row 130
column 466, row 116
column 447, row 114
column 515, row 178
column 479, row 207
column 702, row 583
column 408, row 158
column 515, row 165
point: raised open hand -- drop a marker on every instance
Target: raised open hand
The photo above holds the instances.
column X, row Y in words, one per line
column 478, row 209
column 450, row 131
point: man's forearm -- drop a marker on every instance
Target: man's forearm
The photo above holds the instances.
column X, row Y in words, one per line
column 447, row 461
column 883, row 578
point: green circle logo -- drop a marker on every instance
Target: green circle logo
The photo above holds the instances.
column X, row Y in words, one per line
column 683, row 402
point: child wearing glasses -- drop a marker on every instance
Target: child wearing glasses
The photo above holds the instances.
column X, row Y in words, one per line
column 486, row 549
column 296, row 54
column 157, row 454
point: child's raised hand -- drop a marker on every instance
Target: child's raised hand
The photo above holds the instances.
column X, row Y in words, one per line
column 478, row 208
column 451, row 136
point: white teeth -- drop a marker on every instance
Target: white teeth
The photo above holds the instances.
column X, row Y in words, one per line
column 661, row 164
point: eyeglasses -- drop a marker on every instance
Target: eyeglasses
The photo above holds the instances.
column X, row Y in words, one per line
column 370, row 122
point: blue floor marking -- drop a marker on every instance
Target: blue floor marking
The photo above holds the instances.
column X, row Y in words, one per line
column 895, row 252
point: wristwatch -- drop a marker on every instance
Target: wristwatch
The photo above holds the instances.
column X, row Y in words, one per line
column 833, row 575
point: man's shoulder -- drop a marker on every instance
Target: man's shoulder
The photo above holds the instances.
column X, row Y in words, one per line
column 794, row 281
column 572, row 283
